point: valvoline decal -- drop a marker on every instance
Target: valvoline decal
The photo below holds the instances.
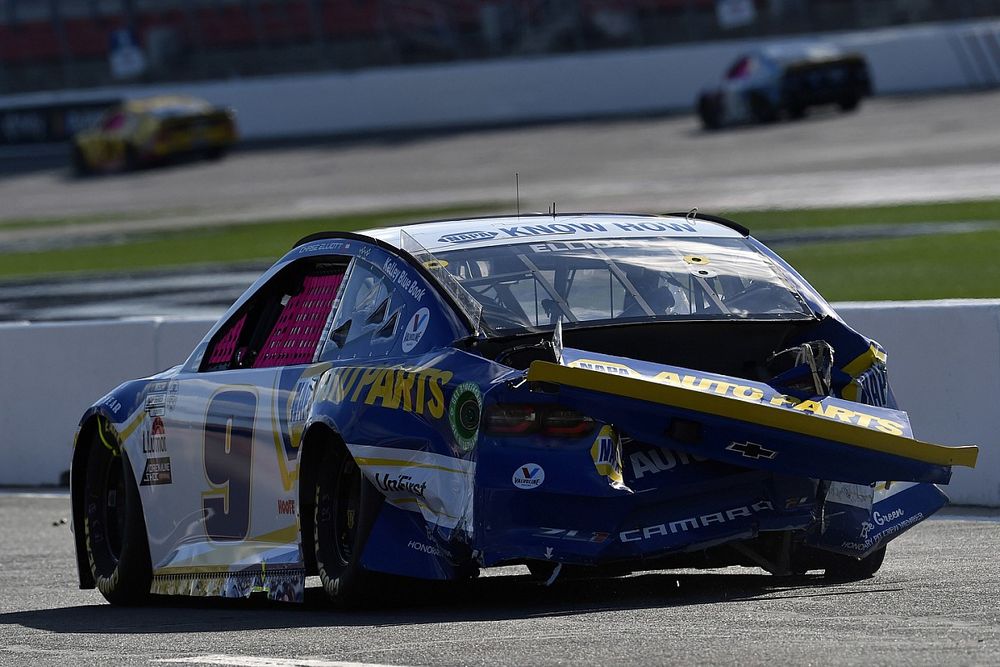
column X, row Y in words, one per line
column 415, row 329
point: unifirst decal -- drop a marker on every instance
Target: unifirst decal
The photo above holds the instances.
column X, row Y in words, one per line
column 419, row 391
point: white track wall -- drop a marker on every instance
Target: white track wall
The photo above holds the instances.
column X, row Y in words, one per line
column 944, row 361
column 912, row 59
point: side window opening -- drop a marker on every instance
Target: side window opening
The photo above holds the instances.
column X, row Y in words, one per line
column 300, row 324
column 367, row 315
column 113, row 121
column 388, row 330
column 283, row 324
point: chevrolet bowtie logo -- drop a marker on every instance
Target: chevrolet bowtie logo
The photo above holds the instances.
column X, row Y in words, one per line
column 751, row 450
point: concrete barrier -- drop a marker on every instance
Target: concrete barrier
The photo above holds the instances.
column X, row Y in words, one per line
column 53, row 372
column 909, row 59
column 944, row 367
column 944, row 361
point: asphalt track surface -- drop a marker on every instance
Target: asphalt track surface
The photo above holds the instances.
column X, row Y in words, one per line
column 934, row 602
column 895, row 149
column 891, row 150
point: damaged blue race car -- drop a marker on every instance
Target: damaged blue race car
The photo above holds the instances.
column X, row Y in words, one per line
column 576, row 393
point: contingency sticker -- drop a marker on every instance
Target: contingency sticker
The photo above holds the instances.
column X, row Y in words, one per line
column 464, row 414
column 415, row 329
column 438, row 487
column 607, row 455
column 528, row 476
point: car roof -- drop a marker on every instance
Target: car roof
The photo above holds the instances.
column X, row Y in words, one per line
column 443, row 235
column 165, row 102
column 790, row 52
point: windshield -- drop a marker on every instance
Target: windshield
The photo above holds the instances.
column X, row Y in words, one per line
column 533, row 285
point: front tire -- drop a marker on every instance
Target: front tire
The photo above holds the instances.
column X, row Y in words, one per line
column 709, row 113
column 114, row 528
column 347, row 506
column 132, row 161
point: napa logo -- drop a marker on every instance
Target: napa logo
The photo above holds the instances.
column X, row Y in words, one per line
column 415, row 329
column 607, row 455
column 528, row 476
column 467, row 237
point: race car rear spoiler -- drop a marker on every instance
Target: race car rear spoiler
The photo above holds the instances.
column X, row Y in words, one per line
column 746, row 425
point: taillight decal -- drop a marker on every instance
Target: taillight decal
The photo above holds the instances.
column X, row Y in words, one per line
column 526, row 419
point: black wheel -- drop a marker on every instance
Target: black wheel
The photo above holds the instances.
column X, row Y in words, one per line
column 346, row 508
column 80, row 165
column 849, row 103
column 114, row 528
column 845, row 568
column 215, row 153
column 761, row 109
column 796, row 110
column 709, row 113
column 131, row 158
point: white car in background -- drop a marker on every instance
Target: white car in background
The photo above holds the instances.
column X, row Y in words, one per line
column 763, row 86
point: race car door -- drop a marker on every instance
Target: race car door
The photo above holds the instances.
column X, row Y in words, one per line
column 230, row 511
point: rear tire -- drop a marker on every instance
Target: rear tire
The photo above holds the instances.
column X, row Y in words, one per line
column 347, row 506
column 762, row 110
column 114, row 528
column 850, row 103
column 215, row 154
column 845, row 568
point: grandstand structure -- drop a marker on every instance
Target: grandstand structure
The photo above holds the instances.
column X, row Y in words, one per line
column 53, row 44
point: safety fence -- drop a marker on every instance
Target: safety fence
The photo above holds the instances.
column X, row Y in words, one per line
column 914, row 59
column 54, row 44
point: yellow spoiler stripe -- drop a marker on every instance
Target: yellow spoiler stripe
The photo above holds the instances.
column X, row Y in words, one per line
column 754, row 413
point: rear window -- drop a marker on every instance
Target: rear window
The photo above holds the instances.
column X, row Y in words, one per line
column 532, row 285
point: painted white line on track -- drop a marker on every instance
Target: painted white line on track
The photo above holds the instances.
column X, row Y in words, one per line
column 34, row 494
column 260, row 661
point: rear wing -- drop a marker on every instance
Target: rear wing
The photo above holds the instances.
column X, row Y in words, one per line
column 826, row 439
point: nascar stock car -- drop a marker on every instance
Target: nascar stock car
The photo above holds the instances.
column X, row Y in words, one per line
column 761, row 86
column 575, row 393
column 152, row 130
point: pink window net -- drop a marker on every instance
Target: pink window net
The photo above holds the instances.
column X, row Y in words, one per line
column 226, row 345
column 300, row 325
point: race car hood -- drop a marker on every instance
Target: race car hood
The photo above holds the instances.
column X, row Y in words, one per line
column 747, row 423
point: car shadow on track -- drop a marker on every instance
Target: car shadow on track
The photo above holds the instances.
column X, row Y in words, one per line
column 487, row 599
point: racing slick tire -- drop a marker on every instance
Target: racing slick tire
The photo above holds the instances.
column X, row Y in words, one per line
column 845, row 568
column 132, row 161
column 347, row 506
column 709, row 113
column 80, row 165
column 761, row 109
column 849, row 103
column 114, row 528
column 215, row 154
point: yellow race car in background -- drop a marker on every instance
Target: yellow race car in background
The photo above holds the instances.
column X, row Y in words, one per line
column 153, row 130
